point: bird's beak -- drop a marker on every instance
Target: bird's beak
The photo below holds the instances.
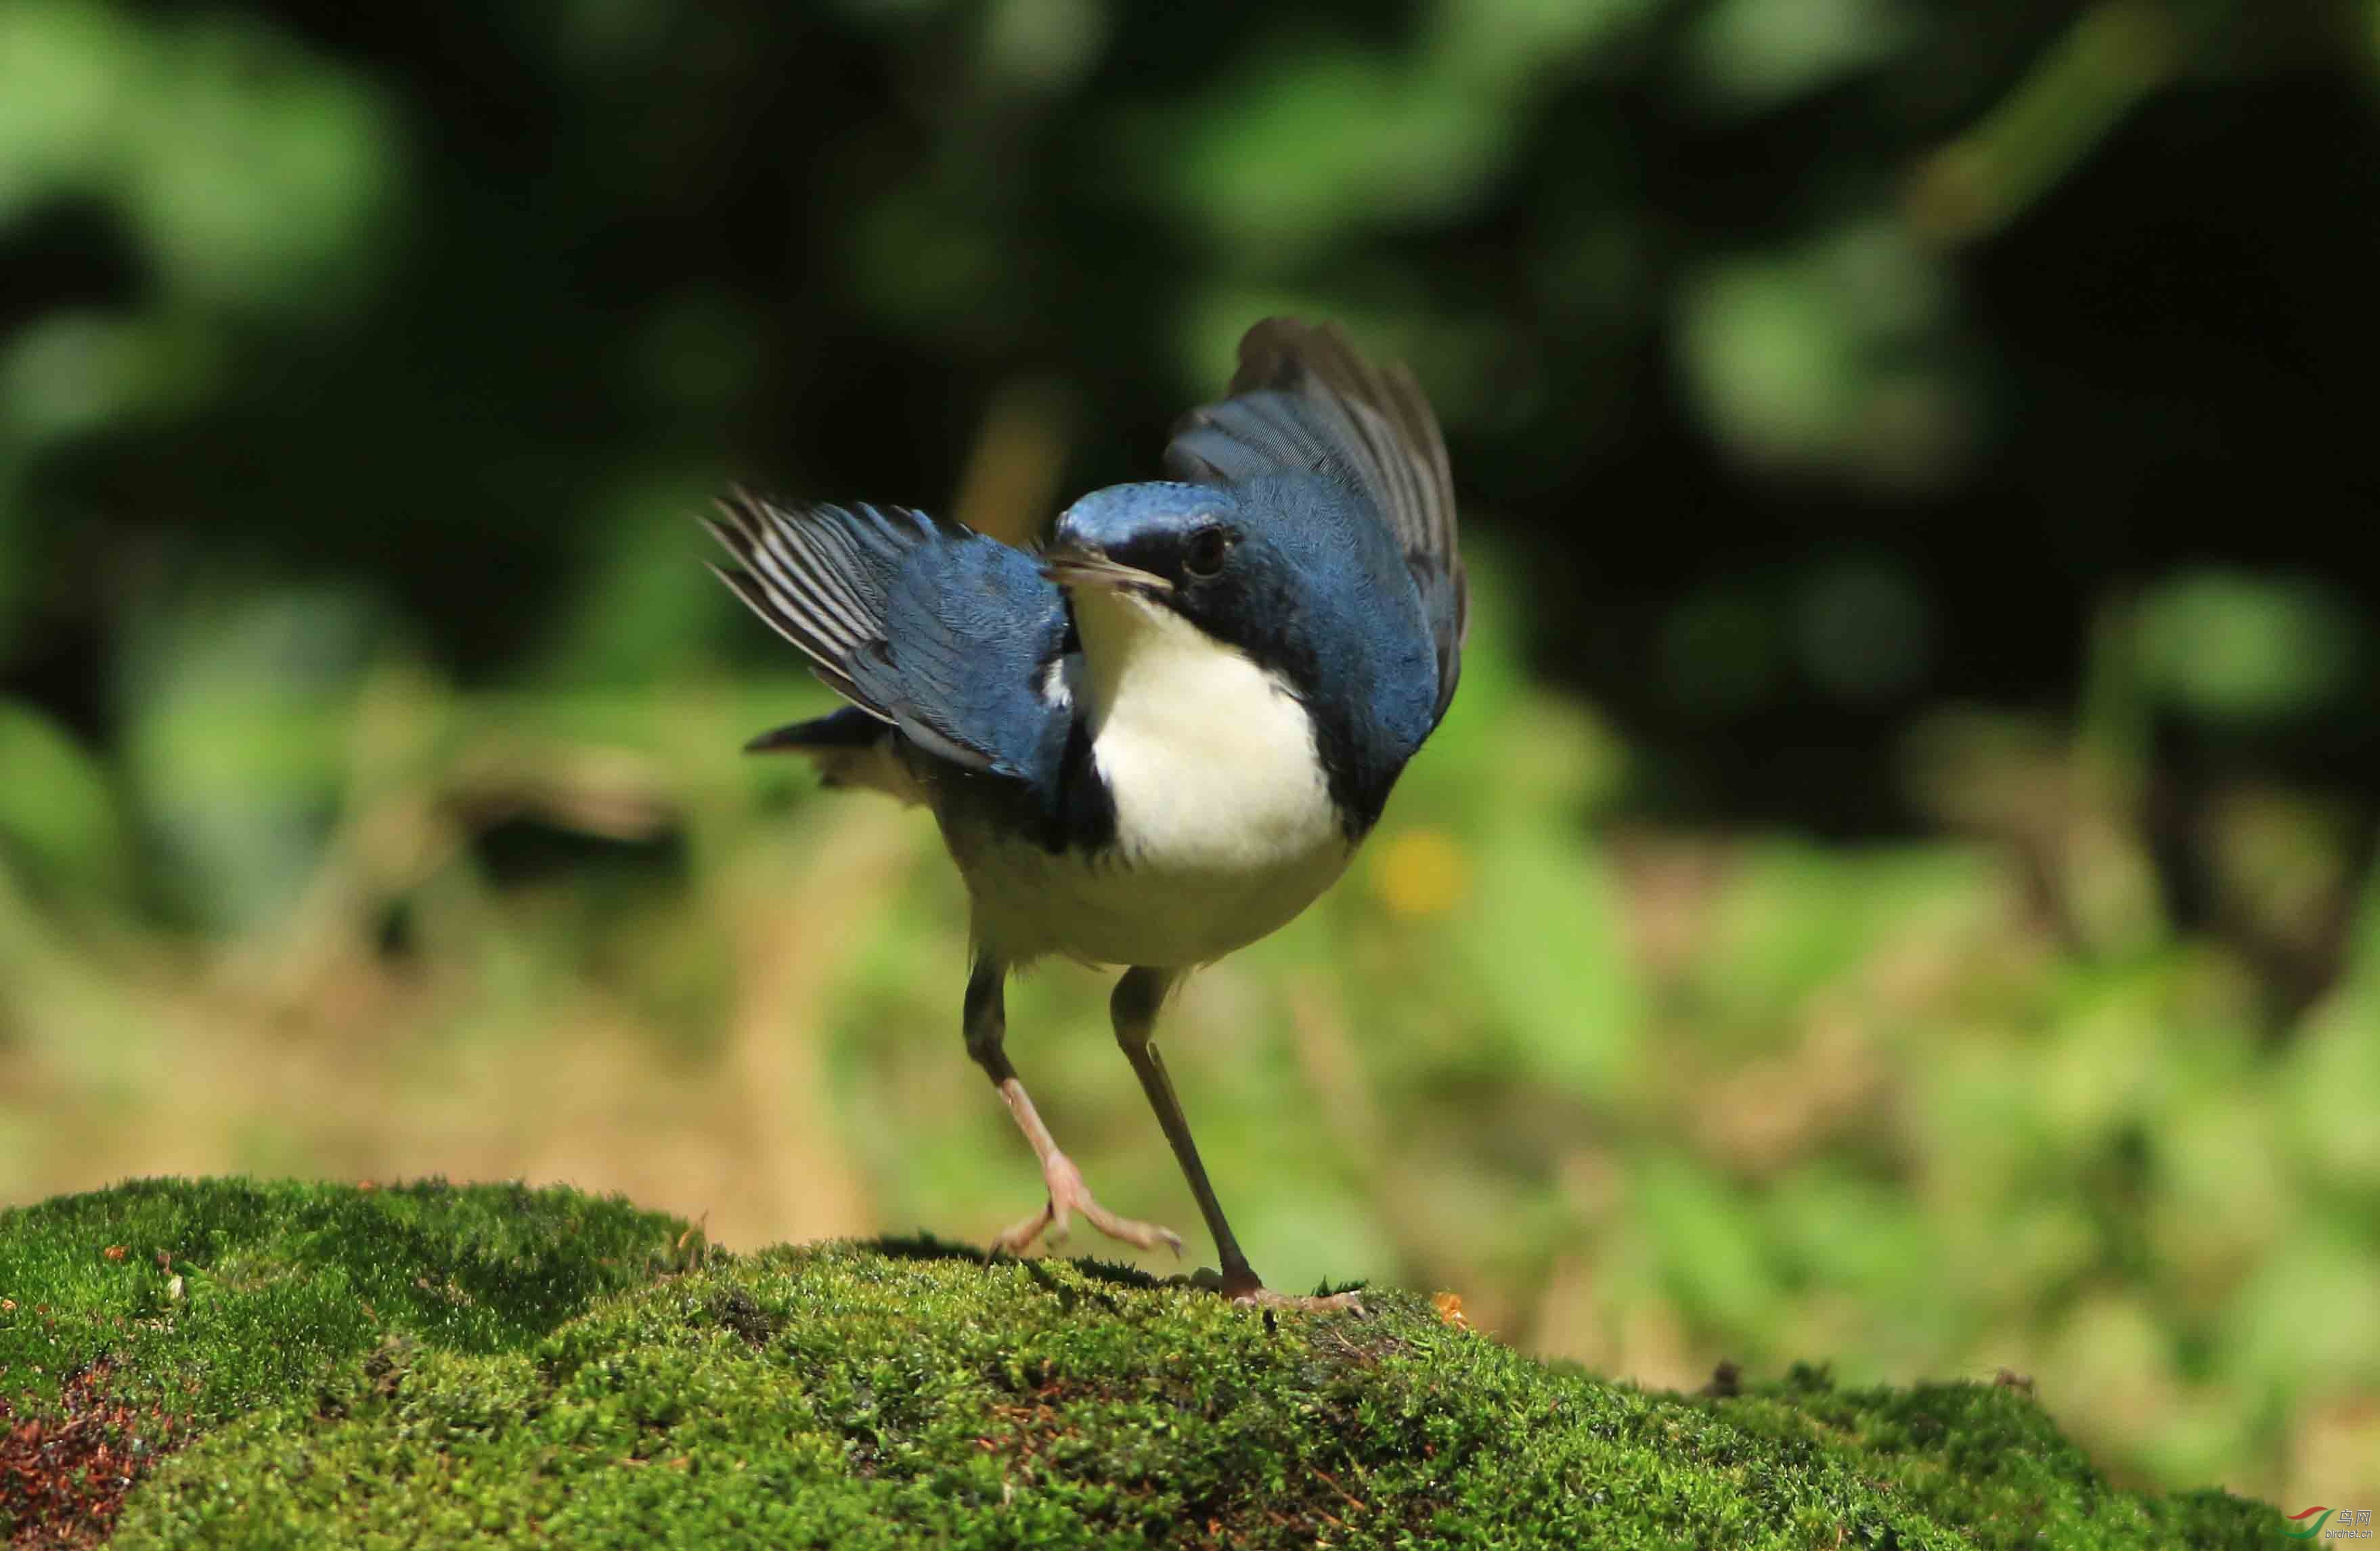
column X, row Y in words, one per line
column 1075, row 565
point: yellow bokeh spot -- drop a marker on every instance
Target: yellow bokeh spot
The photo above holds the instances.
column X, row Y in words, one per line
column 1418, row 872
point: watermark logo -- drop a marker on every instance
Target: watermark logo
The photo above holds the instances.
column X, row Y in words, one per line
column 2330, row 1523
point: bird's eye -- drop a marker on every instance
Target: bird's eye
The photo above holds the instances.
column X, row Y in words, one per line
column 1205, row 555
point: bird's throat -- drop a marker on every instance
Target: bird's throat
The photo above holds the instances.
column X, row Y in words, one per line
column 1210, row 759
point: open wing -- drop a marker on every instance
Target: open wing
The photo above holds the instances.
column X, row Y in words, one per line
column 1304, row 400
column 976, row 622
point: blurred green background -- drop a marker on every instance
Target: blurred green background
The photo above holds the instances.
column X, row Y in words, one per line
column 1896, row 887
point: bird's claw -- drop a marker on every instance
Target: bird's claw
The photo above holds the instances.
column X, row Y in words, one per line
column 1068, row 1195
column 1246, row 1290
column 1334, row 1303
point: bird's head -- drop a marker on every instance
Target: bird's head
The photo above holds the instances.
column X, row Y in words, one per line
column 1163, row 554
column 1176, row 546
column 1171, row 580
column 1291, row 585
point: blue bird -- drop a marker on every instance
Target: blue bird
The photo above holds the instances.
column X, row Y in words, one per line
column 1164, row 734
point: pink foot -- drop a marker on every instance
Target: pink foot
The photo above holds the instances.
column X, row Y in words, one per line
column 1068, row 1194
column 1245, row 1289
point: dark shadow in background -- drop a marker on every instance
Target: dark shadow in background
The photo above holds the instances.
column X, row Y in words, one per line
column 2176, row 346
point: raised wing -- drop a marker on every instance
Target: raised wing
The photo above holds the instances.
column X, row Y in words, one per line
column 1304, row 400
column 976, row 623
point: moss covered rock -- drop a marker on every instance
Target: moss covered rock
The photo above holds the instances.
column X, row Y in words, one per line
column 220, row 1364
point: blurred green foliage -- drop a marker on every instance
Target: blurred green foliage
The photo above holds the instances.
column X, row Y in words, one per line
column 1645, row 1100
column 368, row 793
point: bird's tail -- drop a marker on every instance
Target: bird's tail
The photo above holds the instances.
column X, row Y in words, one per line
column 851, row 749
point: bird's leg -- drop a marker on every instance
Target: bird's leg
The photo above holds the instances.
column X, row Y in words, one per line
column 987, row 1028
column 1137, row 997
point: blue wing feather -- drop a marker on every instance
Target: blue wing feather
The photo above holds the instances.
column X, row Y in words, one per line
column 1305, row 403
column 942, row 632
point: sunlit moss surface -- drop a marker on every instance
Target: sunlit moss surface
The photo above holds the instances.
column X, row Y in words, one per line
column 490, row 1365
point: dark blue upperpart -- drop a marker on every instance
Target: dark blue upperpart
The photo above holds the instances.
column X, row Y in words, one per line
column 1312, row 526
column 941, row 636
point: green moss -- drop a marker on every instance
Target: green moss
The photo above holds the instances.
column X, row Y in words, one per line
column 278, row 1282
column 489, row 1367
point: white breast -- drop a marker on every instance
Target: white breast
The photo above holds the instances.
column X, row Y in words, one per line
column 1224, row 825
column 1212, row 761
